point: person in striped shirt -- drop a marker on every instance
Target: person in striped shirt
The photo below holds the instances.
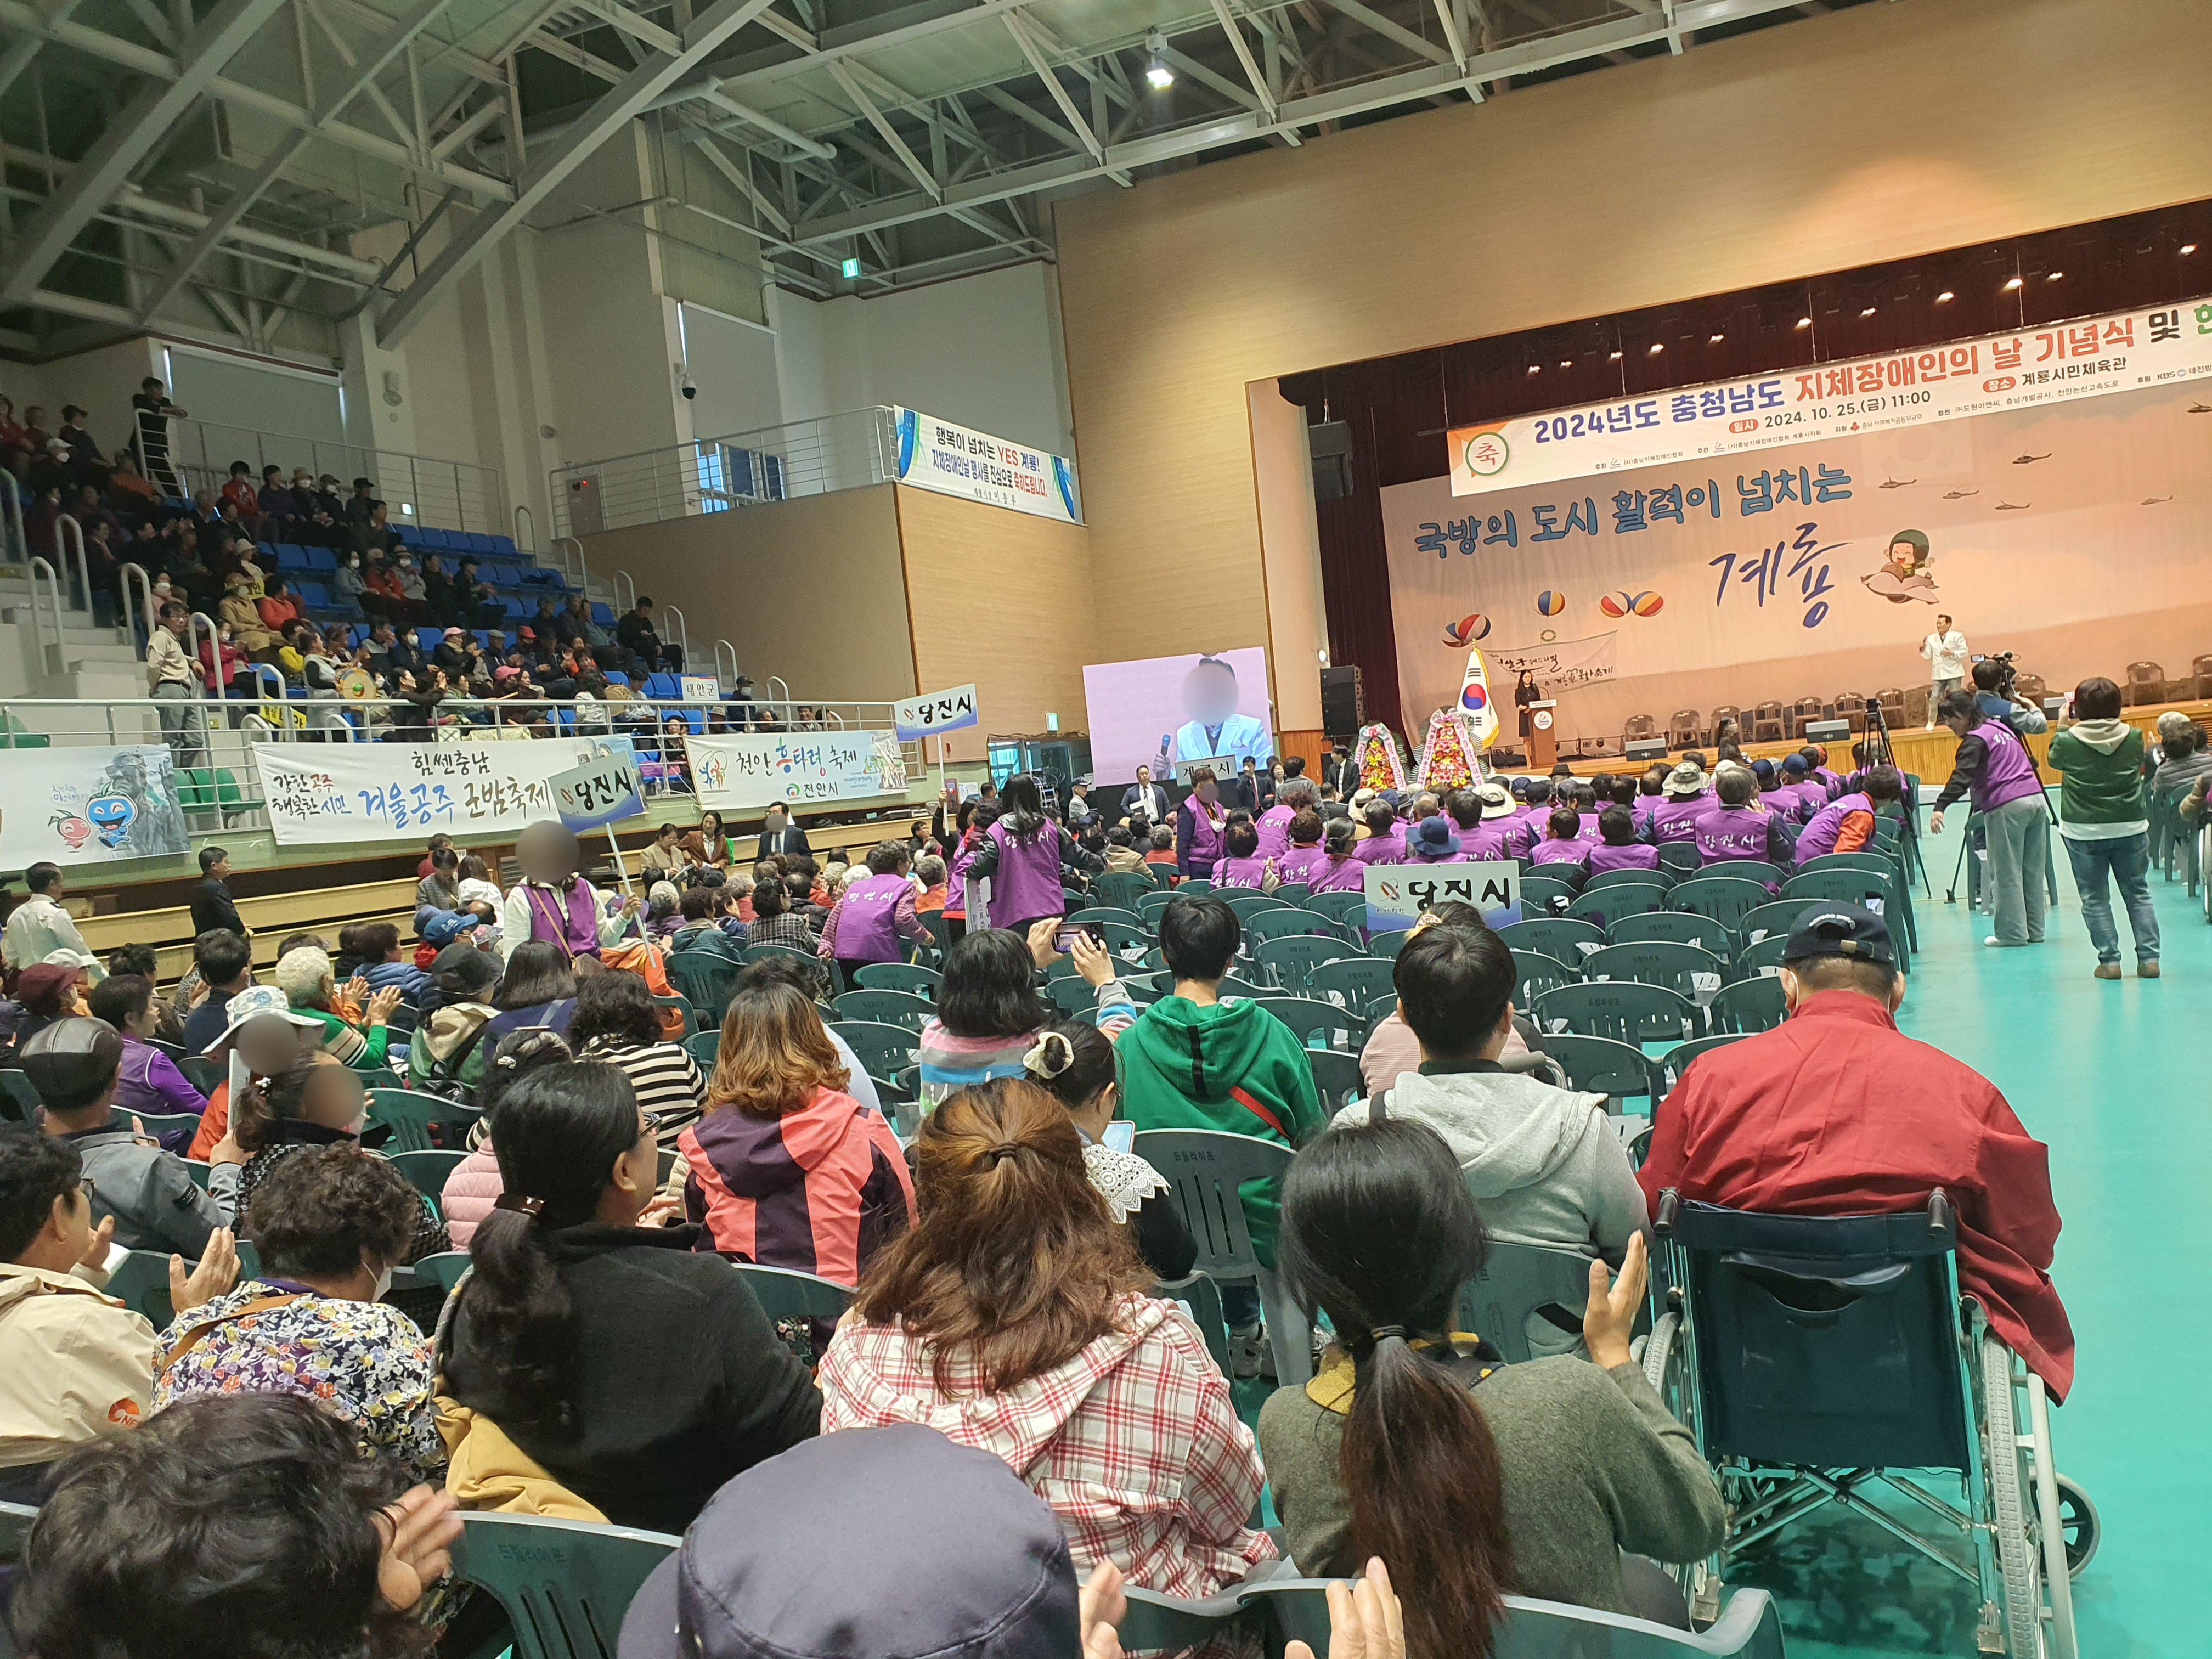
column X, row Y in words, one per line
column 617, row 1020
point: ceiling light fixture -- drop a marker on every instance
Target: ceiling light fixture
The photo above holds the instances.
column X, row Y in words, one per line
column 2054, row 277
column 1566, row 362
column 1804, row 322
column 2189, row 248
column 1156, row 72
column 1945, row 297
column 1613, row 356
column 1715, row 339
column 1535, row 368
column 1656, row 348
column 1868, row 312
column 2011, row 285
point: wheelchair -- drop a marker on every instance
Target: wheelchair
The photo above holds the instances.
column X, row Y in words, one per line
column 1818, row 1360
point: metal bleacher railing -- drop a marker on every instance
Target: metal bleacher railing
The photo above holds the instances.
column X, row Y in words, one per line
column 846, row 450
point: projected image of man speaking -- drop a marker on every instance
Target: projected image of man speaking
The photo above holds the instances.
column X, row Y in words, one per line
column 1209, row 697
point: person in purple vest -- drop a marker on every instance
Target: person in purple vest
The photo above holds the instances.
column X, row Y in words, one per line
column 1022, row 855
column 1994, row 764
column 1241, row 866
column 1732, row 831
column 1294, row 794
column 1649, row 799
column 1526, row 826
column 1201, row 822
column 1621, row 850
column 1817, row 770
column 1342, row 869
column 1846, row 824
column 875, row 914
column 1385, row 842
column 1686, row 802
column 1305, row 861
column 1480, row 815
column 554, row 905
column 1432, row 842
column 1796, row 782
column 1587, row 803
column 1563, row 843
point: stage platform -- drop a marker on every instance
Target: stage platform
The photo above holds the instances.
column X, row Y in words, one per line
column 1924, row 753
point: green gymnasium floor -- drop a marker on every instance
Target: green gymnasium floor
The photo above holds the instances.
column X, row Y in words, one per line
column 2114, row 1077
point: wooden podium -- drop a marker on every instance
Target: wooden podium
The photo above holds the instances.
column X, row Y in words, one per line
column 1543, row 736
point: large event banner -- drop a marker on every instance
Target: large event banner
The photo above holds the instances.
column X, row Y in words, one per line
column 758, row 770
column 365, row 791
column 2026, row 369
column 2073, row 530
column 88, row 806
column 956, row 460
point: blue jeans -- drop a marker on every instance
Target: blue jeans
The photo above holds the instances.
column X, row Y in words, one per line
column 2126, row 858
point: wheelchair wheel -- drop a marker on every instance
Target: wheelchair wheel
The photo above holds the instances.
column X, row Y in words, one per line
column 1659, row 1352
column 2011, row 1472
column 2077, row 1520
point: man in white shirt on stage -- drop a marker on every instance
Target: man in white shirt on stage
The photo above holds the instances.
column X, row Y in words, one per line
column 1947, row 654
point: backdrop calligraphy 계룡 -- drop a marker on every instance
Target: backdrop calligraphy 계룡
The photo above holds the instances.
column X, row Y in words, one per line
column 2073, row 533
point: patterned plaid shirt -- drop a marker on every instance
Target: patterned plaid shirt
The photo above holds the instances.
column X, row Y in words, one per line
column 1133, row 1441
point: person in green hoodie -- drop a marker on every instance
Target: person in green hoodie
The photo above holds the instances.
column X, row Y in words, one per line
column 2105, row 821
column 1194, row 1061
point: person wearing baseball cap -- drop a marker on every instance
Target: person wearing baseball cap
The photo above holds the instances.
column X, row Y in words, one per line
column 1837, row 1112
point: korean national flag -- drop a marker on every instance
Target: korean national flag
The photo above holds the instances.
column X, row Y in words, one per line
column 1476, row 702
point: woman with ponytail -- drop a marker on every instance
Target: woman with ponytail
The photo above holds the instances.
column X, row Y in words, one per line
column 1467, row 1477
column 1012, row 1319
column 637, row 1373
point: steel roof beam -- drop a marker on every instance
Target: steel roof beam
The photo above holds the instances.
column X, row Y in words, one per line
column 613, row 112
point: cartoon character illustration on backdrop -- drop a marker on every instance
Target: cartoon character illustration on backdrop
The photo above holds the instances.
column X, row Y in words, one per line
column 111, row 816
column 1904, row 577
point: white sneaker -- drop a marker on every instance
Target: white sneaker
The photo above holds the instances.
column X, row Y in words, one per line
column 1994, row 939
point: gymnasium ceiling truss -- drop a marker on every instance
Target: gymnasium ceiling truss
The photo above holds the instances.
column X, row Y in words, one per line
column 205, row 166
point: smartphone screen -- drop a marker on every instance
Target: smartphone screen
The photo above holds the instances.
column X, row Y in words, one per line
column 1064, row 941
column 1121, row 1135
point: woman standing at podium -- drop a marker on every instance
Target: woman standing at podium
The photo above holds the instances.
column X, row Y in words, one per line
column 1526, row 691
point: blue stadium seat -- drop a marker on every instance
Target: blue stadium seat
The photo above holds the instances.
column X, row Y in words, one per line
column 484, row 637
column 480, row 544
column 409, row 535
column 321, row 558
column 314, row 595
column 603, row 613
column 358, row 632
column 503, row 546
column 289, row 558
column 615, row 677
column 429, row 638
column 662, row 685
column 515, row 608
column 436, row 540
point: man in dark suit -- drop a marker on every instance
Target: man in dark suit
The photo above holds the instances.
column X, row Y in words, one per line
column 1337, row 772
column 779, row 835
column 212, row 908
column 1144, row 798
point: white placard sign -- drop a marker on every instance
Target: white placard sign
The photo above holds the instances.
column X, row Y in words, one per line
column 954, row 460
column 600, row 791
column 934, row 713
column 1398, row 893
column 758, row 768
column 702, row 688
column 1224, row 767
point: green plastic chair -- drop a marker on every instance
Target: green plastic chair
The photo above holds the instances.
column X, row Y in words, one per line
column 1676, row 1061
column 156, row 1124
column 1122, row 888
column 1758, row 870
column 564, row 1585
column 1750, row 1627
column 707, row 980
column 1625, row 1012
column 1680, row 858
column 1072, row 899
column 883, row 1050
column 908, row 976
column 1360, row 982
column 1663, row 878
column 1292, row 961
column 1124, row 939
column 889, row 1007
column 421, row 1123
column 1755, row 958
column 764, row 953
column 1605, row 1065
column 1618, row 901
column 1163, row 875
column 1654, row 963
column 1072, row 995
column 1294, row 892
column 141, row 1283
column 201, row 1073
column 1151, row 904
column 1535, row 973
column 1750, row 1005
column 1249, row 902
column 19, row 1101
column 1676, row 926
column 1386, row 944
column 1231, row 986
column 1726, row 899
column 705, row 1048
column 1557, row 937
column 1195, row 885
column 1337, row 1076
column 1772, row 920
column 1127, row 914
column 1200, row 1298
column 692, row 1022
column 1884, row 860
column 444, row 1269
column 1849, row 886
column 1307, row 1016
column 1287, row 922
column 786, row 1293
column 427, row 1171
column 1545, row 895
column 1346, row 909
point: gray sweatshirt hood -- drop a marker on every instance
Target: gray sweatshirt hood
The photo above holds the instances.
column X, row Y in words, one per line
column 2103, row 735
column 1508, row 1132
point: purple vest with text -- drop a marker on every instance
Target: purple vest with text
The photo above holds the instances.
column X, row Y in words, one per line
column 1275, row 828
column 1382, row 849
column 571, row 921
column 1486, row 842
column 2009, row 774
column 1728, row 834
column 1304, row 863
column 1634, row 856
column 866, row 929
column 1205, row 837
column 1678, row 820
column 1026, row 884
column 1239, row 872
column 1818, row 838
column 1547, row 851
column 1344, row 875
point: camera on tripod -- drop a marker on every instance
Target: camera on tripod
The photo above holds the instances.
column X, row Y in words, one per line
column 2007, row 673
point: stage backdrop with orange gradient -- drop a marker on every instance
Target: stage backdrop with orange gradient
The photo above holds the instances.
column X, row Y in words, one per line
column 2075, row 531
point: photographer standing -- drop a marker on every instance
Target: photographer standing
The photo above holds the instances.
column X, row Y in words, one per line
column 1993, row 687
column 1946, row 651
column 2007, row 794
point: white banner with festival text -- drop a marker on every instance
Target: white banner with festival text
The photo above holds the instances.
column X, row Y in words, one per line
column 2021, row 369
column 88, row 806
column 736, row 772
column 369, row 791
column 955, row 460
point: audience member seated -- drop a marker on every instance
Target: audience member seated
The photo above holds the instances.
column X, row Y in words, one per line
column 638, row 637
column 318, row 1551
column 1846, row 824
column 473, row 1185
column 776, row 921
column 1733, row 831
column 617, row 1020
column 988, row 1011
column 874, row 913
column 1837, row 1112
column 1562, row 843
column 441, row 889
column 1339, row 870
column 553, row 905
column 315, row 1101
column 636, row 1369
column 699, row 916
column 148, row 1080
column 1241, row 865
column 1687, row 801
column 74, row 1364
column 261, row 1036
column 1074, row 1061
column 330, row 1225
column 1545, row 1165
column 1619, row 849
column 155, row 1203
column 142, row 959
column 45, row 994
column 1013, row 1318
column 1471, row 1478
column 787, row 1169
column 303, row 974
column 382, row 965
column 539, row 989
column 447, row 1050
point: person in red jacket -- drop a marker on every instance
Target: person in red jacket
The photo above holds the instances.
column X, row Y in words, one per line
column 1837, row 1112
